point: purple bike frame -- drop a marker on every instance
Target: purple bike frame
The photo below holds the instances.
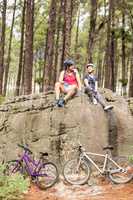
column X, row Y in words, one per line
column 36, row 166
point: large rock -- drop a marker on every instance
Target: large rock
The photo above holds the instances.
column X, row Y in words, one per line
column 35, row 121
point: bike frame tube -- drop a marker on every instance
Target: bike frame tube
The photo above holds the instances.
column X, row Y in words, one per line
column 32, row 171
column 26, row 158
column 106, row 158
column 86, row 155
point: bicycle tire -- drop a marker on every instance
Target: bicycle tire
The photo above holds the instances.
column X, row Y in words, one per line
column 121, row 176
column 13, row 166
column 73, row 176
column 47, row 175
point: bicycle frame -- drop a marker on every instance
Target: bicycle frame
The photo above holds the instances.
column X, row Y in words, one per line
column 106, row 158
column 27, row 160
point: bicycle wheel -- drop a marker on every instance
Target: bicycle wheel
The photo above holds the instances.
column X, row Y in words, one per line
column 13, row 167
column 124, row 173
column 76, row 174
column 47, row 175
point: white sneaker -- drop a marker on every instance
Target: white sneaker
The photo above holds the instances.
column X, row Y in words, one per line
column 108, row 107
column 94, row 101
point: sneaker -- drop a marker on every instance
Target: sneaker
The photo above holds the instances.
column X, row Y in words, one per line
column 108, row 107
column 94, row 101
column 56, row 102
column 61, row 103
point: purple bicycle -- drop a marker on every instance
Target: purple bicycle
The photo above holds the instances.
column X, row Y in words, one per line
column 44, row 173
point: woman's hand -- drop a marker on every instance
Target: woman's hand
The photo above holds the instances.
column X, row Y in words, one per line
column 62, row 82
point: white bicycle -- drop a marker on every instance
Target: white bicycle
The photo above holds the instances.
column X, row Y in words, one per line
column 77, row 171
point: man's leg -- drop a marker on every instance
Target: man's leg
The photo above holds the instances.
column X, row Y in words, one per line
column 90, row 94
column 102, row 101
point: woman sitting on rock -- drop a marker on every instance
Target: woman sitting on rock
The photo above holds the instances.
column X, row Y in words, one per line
column 69, row 83
column 90, row 82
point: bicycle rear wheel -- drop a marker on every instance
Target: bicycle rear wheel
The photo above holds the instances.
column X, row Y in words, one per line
column 47, row 175
column 75, row 173
column 14, row 166
column 124, row 174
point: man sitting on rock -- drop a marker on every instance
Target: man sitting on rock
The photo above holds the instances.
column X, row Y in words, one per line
column 90, row 82
column 69, row 83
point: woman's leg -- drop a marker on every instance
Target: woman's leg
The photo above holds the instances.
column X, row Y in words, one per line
column 58, row 89
column 70, row 92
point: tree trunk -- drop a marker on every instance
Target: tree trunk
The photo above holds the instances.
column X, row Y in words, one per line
column 67, row 30
column 131, row 73
column 7, row 66
column 99, row 65
column 107, row 53
column 2, row 44
column 124, row 71
column 28, row 65
column 49, row 50
column 93, row 17
column 19, row 75
column 112, row 52
column 77, row 34
column 110, row 48
column 57, row 44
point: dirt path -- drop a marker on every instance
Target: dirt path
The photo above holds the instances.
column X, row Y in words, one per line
column 103, row 190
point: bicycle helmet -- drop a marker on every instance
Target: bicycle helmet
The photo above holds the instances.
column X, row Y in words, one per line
column 68, row 63
column 90, row 64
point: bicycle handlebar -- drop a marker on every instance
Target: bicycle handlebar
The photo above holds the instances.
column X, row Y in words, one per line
column 25, row 148
column 79, row 147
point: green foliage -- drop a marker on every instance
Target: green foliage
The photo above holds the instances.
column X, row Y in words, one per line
column 39, row 80
column 131, row 158
column 123, row 82
column 12, row 187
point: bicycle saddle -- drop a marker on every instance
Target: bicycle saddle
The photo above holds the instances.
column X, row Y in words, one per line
column 43, row 154
column 108, row 147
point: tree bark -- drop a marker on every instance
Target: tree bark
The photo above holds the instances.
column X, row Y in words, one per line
column 2, row 44
column 57, row 43
column 28, row 65
column 131, row 73
column 19, row 75
column 124, row 71
column 110, row 49
column 49, row 50
column 77, row 34
column 67, row 30
column 112, row 52
column 7, row 66
column 93, row 17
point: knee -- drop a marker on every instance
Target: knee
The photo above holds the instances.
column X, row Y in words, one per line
column 74, row 88
column 57, row 85
column 87, row 90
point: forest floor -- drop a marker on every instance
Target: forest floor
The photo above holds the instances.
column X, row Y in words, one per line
column 99, row 189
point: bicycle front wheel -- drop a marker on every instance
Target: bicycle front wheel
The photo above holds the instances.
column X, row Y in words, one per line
column 14, row 166
column 76, row 173
column 123, row 173
column 47, row 175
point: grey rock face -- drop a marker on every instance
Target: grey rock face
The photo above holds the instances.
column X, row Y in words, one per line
column 33, row 120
